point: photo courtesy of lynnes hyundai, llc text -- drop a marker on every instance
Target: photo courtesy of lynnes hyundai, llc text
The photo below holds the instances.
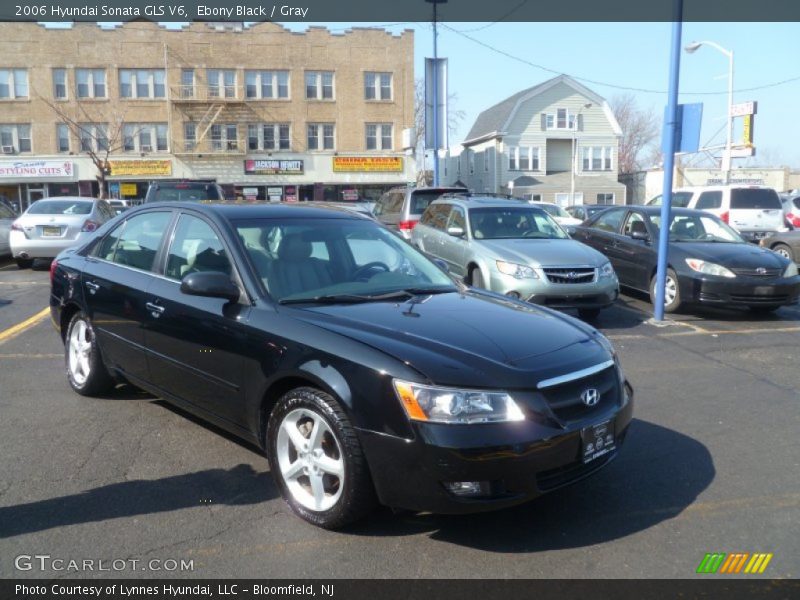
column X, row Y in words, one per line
column 361, row 368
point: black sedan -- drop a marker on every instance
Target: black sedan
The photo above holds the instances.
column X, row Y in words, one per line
column 709, row 263
column 787, row 244
column 363, row 371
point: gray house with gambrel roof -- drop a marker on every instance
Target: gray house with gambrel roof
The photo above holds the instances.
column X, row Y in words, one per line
column 540, row 142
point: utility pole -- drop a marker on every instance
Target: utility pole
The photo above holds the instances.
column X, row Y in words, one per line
column 435, row 78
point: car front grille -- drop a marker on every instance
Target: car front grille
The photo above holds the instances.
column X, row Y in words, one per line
column 570, row 274
column 762, row 272
column 752, row 299
column 564, row 400
column 556, row 478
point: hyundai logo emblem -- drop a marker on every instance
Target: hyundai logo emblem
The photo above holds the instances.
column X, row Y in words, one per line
column 590, row 397
column 761, row 271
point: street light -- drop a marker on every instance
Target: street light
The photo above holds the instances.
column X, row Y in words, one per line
column 726, row 160
column 435, row 77
column 575, row 153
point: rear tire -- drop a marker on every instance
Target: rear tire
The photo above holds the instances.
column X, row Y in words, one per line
column 588, row 314
column 784, row 251
column 476, row 278
column 86, row 372
column 24, row 263
column 672, row 292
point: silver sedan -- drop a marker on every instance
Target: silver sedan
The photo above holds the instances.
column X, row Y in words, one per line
column 55, row 224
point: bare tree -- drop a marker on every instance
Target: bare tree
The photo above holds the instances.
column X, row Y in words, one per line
column 98, row 135
column 454, row 119
column 640, row 134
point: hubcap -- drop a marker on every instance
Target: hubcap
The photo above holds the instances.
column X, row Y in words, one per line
column 670, row 291
column 310, row 460
column 783, row 252
column 79, row 352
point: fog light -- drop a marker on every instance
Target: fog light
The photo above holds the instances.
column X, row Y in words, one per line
column 514, row 295
column 467, row 488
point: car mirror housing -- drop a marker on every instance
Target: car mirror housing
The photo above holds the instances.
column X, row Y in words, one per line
column 212, row 284
column 639, row 235
column 455, row 231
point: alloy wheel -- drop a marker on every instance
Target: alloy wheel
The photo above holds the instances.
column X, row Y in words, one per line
column 80, row 351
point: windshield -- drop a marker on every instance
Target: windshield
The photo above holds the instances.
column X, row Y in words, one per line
column 60, row 207
column 694, row 228
column 327, row 259
column 754, row 198
column 513, row 223
column 189, row 192
column 679, row 200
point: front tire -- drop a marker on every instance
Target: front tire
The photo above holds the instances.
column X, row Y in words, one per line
column 24, row 263
column 317, row 461
column 86, row 372
column 784, row 251
column 672, row 292
column 476, row 278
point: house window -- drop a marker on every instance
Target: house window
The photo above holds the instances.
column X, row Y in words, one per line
column 319, row 85
column 93, row 137
column 62, row 137
column 189, row 136
column 15, row 138
column 523, row 158
column 377, row 86
column 321, row 136
column 596, row 158
column 59, row 84
column 379, row 136
column 13, row 83
column 142, row 83
column 187, row 83
column 221, row 83
column 144, row 137
column 486, row 159
column 266, row 84
column 224, row 137
column 471, row 162
column 561, row 119
column 90, row 83
column 605, row 198
column 268, row 136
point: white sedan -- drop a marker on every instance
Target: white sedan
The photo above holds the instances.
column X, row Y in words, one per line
column 561, row 216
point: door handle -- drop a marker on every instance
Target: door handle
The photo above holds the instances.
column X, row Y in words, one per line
column 93, row 287
column 154, row 309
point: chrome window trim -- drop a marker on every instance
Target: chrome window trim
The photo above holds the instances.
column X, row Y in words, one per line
column 545, row 383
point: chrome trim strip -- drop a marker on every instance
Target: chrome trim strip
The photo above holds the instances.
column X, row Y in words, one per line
column 545, row 383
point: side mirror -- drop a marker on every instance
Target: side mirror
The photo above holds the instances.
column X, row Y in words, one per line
column 571, row 229
column 211, row 284
column 455, row 231
column 441, row 264
column 639, row 235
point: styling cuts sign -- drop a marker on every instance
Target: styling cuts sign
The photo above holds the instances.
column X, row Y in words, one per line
column 32, row 169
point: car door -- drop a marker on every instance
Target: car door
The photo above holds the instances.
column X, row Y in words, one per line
column 437, row 234
column 634, row 257
column 194, row 343
column 115, row 280
column 454, row 248
column 601, row 232
column 6, row 218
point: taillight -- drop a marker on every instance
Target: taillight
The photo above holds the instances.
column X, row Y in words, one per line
column 90, row 225
column 725, row 217
column 406, row 225
column 53, row 266
column 793, row 219
column 15, row 226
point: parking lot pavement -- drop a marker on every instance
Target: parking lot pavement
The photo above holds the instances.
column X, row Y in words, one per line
column 710, row 465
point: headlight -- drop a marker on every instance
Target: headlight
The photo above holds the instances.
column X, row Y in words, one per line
column 791, row 270
column 707, row 268
column 515, row 270
column 454, row 405
column 606, row 270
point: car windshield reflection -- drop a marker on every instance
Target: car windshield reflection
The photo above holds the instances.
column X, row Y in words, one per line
column 514, row 223
column 699, row 228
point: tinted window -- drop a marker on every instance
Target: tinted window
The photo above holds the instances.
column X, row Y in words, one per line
column 439, row 214
column 389, row 203
column 679, row 199
column 61, row 207
column 420, row 199
column 796, row 202
column 609, row 220
column 135, row 242
column 195, row 248
column 457, row 218
column 754, row 198
column 513, row 223
column 635, row 222
column 184, row 191
column 709, row 200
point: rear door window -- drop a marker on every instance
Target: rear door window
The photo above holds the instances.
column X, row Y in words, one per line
column 709, row 200
column 439, row 215
column 421, row 199
column 754, row 198
column 136, row 241
column 609, row 220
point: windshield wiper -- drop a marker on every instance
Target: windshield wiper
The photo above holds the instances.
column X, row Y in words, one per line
column 356, row 298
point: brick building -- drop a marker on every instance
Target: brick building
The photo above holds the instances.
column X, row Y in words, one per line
column 266, row 112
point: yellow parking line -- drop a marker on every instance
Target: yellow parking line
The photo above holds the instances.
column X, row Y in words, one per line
column 3, row 356
column 20, row 327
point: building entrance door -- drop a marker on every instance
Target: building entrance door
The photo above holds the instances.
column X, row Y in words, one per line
column 35, row 194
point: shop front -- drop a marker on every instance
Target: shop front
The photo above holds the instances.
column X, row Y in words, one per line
column 23, row 182
column 129, row 179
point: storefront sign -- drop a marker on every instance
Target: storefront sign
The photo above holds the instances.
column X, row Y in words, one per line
column 291, row 193
column 121, row 168
column 128, row 189
column 275, row 194
column 28, row 169
column 273, row 167
column 350, row 195
column 346, row 164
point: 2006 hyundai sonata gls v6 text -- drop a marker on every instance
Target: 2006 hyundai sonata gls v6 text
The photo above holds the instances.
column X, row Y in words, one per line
column 364, row 372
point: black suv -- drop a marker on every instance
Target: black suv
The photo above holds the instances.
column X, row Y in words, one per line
column 187, row 190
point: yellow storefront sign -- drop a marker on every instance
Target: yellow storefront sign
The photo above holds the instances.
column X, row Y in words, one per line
column 351, row 164
column 128, row 189
column 121, row 168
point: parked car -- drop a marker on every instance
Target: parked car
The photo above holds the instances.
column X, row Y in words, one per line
column 709, row 262
column 754, row 211
column 54, row 224
column 791, row 210
column 362, row 208
column 561, row 216
column 401, row 207
column 680, row 199
column 518, row 250
column 584, row 211
column 787, row 244
column 360, row 368
column 7, row 217
column 120, row 206
column 187, row 190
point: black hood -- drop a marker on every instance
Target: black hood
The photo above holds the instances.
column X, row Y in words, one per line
column 739, row 256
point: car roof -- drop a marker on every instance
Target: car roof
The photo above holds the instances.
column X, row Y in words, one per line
column 471, row 201
column 277, row 210
column 656, row 210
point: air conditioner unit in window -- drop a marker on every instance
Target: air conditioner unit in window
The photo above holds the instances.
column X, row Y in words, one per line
column 233, row 145
column 145, row 148
column 8, row 149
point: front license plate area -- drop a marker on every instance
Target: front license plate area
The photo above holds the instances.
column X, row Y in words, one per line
column 51, row 231
column 597, row 440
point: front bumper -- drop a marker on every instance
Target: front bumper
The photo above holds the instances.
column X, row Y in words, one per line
column 596, row 294
column 23, row 247
column 516, row 462
column 741, row 291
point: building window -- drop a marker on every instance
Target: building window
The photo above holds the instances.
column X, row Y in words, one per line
column 486, row 160
column 60, row 84
column 266, row 84
column 377, row 86
column 189, row 136
column 605, row 198
column 187, row 83
column 144, row 137
column 94, row 137
column 268, row 136
column 321, row 136
column 90, row 83
column 142, row 83
column 561, row 119
column 62, row 137
column 471, row 162
column 319, row 85
column 379, row 136
column 224, row 137
column 13, row 83
column 523, row 158
column 596, row 158
column 221, row 83
column 15, row 138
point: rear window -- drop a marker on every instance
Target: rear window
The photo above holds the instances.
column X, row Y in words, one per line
column 60, row 207
column 679, row 200
column 422, row 198
column 796, row 202
column 754, row 198
column 185, row 191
